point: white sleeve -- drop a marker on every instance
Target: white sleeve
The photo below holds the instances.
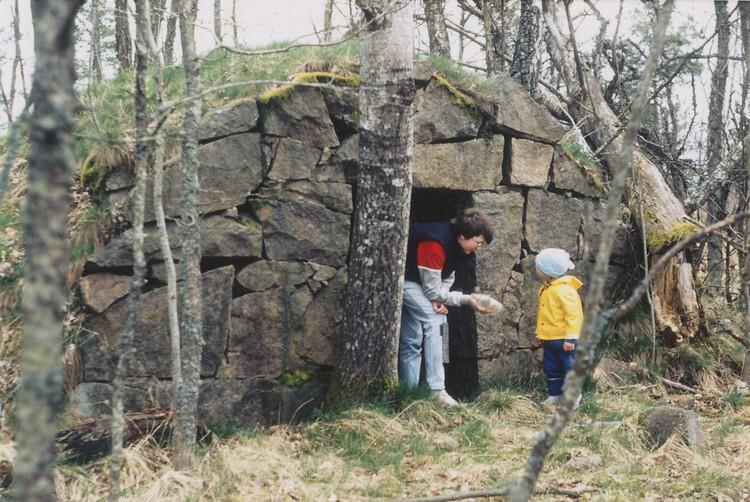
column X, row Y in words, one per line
column 437, row 289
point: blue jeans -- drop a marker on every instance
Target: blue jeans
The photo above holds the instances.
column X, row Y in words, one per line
column 420, row 323
column 556, row 363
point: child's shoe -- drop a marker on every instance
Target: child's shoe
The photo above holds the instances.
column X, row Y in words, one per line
column 550, row 401
column 578, row 402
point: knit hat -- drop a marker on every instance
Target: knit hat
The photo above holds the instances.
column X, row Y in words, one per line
column 554, row 262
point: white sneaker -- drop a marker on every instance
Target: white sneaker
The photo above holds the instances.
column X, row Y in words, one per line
column 578, row 402
column 444, row 398
column 550, row 401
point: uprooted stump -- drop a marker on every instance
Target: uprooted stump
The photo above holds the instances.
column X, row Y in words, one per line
column 93, row 438
column 662, row 422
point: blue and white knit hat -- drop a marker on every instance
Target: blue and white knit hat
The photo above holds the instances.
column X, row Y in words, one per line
column 554, row 262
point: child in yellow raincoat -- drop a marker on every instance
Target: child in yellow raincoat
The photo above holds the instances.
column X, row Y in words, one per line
column 559, row 319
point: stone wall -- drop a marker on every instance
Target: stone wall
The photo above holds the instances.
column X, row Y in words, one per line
column 276, row 199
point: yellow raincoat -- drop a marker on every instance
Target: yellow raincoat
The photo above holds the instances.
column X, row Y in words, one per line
column 560, row 313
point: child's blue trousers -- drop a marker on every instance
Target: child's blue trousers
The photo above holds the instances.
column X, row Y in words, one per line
column 556, row 363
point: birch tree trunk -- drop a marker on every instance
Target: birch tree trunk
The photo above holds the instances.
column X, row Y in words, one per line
column 186, row 402
column 96, row 41
column 434, row 11
column 143, row 23
column 715, row 145
column 235, row 37
column 327, row 21
column 157, row 16
column 594, row 324
column 523, row 69
column 493, row 12
column 217, row 21
column 50, row 170
column 379, row 234
column 745, row 35
column 122, row 36
column 171, row 32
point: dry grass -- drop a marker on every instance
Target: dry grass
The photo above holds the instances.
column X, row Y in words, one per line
column 423, row 449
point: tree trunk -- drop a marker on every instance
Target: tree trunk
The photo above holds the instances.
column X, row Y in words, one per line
column 235, row 37
column 592, row 328
column 157, row 16
column 143, row 24
column 217, row 21
column 186, row 402
column 523, row 69
column 171, row 33
column 96, row 41
column 434, row 11
column 745, row 34
column 379, row 233
column 715, row 145
column 328, row 21
column 123, row 44
column 50, row 174
column 494, row 29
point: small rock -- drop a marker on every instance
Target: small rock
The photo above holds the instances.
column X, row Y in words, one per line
column 661, row 422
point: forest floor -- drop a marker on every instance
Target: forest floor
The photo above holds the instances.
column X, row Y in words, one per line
column 419, row 449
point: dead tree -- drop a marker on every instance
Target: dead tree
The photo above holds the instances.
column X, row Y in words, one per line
column 50, row 176
column 191, row 329
column 593, row 326
column 380, row 229
column 434, row 11
column 678, row 313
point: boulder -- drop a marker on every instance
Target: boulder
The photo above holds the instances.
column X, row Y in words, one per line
column 552, row 221
column 94, row 399
column 468, row 165
column 437, row 118
column 257, row 339
column 495, row 261
column 293, row 160
column 662, row 422
column 99, row 291
column 230, row 169
column 340, row 164
column 320, row 329
column 568, row 175
column 517, row 112
column 151, row 348
column 235, row 118
column 530, row 163
column 343, row 106
column 299, row 229
column 264, row 274
column 335, row 196
column 221, row 237
column 300, row 114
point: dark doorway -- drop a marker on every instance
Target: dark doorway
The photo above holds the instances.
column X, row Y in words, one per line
column 461, row 373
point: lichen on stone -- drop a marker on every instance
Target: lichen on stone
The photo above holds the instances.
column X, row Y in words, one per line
column 283, row 91
column 293, row 378
column 656, row 241
column 458, row 98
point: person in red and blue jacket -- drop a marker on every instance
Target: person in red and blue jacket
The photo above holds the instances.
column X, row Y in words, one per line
column 434, row 251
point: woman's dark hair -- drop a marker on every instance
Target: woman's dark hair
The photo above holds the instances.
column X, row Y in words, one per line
column 472, row 222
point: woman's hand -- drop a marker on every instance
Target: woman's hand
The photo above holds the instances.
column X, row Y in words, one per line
column 440, row 308
column 475, row 305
